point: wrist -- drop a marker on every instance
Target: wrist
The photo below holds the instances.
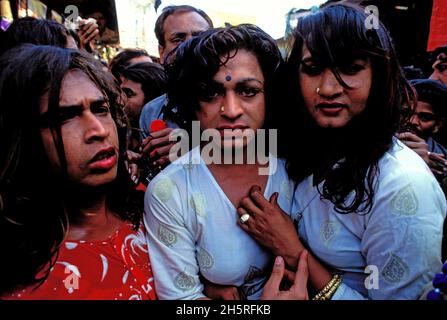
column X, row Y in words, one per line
column 292, row 257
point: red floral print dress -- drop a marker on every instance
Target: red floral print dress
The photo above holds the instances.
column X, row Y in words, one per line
column 115, row 269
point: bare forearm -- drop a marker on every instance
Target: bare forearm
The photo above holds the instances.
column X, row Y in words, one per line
column 318, row 275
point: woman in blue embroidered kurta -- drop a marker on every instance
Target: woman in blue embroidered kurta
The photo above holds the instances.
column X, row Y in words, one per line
column 364, row 202
column 224, row 79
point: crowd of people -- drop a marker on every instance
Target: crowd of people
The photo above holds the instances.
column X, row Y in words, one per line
column 320, row 175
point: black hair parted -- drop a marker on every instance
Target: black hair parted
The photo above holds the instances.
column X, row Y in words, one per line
column 336, row 34
column 122, row 60
column 151, row 76
column 193, row 64
column 35, row 201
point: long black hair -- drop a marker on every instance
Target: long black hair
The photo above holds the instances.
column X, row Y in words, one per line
column 333, row 34
column 34, row 210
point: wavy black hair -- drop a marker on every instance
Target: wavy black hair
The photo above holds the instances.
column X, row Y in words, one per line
column 193, row 64
column 334, row 34
column 35, row 203
column 34, row 31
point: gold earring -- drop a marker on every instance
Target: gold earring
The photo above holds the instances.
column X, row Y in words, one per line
column 318, row 91
column 222, row 108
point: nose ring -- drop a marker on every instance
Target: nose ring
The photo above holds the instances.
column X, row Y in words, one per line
column 222, row 108
column 318, row 91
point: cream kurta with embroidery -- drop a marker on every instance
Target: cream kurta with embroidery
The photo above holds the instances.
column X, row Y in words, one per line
column 397, row 245
column 192, row 230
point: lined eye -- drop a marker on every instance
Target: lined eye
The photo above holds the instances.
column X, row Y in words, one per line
column 66, row 114
column 178, row 39
column 441, row 67
column 426, row 116
column 209, row 95
column 311, row 68
column 129, row 93
column 212, row 94
column 208, row 92
column 351, row 69
column 101, row 109
column 248, row 91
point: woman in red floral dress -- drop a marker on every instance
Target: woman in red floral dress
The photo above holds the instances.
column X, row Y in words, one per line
column 70, row 219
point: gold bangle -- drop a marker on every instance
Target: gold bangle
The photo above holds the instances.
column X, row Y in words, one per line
column 328, row 295
column 330, row 288
column 326, row 288
column 319, row 295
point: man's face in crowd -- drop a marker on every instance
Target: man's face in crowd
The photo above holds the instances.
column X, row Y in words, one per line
column 440, row 68
column 424, row 120
column 88, row 132
column 100, row 20
column 134, row 99
column 178, row 28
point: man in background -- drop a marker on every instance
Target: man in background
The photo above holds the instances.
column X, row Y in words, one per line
column 176, row 24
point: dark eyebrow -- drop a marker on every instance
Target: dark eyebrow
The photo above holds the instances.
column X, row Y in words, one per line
column 47, row 117
column 52, row 118
column 126, row 89
column 178, row 34
column 248, row 79
column 99, row 101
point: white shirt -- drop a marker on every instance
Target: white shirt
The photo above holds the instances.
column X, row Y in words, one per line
column 192, row 229
column 400, row 238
